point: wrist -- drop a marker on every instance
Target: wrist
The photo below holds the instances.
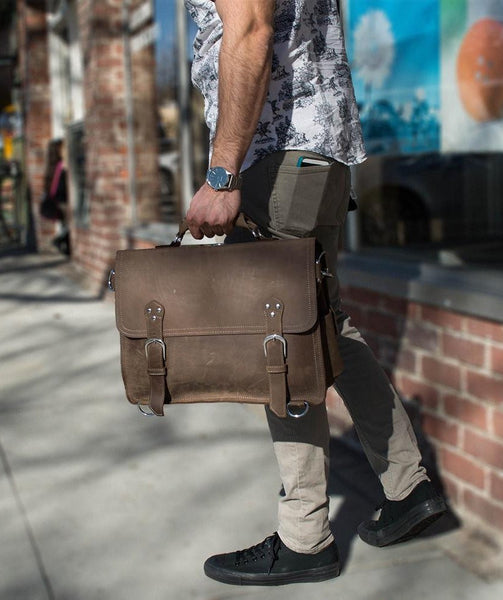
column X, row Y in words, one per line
column 222, row 159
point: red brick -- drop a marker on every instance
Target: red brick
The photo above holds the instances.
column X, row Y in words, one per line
column 427, row 395
column 363, row 296
column 397, row 306
column 382, row 323
column 442, row 317
column 489, row 511
column 452, row 488
column 497, row 359
column 441, row 372
column 355, row 312
column 406, row 360
column 466, row 411
column 440, row 429
column 498, row 423
column 421, row 336
column 486, row 450
column 485, row 387
column 497, row 486
column 485, row 329
column 462, row 467
column 455, row 346
column 413, row 311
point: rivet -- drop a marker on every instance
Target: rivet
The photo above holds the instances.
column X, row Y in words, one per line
column 268, row 306
column 159, row 309
column 273, row 314
column 149, row 310
column 278, row 306
column 154, row 317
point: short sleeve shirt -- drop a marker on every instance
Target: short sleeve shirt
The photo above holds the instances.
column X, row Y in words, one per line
column 310, row 103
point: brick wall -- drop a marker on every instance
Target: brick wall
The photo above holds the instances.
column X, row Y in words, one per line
column 105, row 130
column 452, row 365
column 34, row 75
column 107, row 169
column 146, row 142
column 93, row 246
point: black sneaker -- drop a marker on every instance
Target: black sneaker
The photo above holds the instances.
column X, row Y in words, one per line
column 401, row 520
column 272, row 563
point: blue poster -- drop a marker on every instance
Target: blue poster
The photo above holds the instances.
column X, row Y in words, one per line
column 394, row 51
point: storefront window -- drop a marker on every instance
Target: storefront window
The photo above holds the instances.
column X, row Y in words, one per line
column 428, row 78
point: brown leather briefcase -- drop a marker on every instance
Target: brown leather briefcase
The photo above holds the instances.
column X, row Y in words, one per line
column 246, row 322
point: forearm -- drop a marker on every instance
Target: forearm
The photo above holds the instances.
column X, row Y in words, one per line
column 243, row 81
column 244, row 75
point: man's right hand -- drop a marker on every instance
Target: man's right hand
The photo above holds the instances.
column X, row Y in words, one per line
column 213, row 212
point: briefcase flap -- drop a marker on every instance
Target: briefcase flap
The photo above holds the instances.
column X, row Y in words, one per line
column 208, row 290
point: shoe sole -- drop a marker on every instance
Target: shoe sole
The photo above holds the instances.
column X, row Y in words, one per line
column 307, row 576
column 415, row 521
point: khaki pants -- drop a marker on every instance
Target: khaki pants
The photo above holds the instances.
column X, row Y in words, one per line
column 287, row 200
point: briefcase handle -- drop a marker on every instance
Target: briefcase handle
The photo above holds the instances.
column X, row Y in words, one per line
column 242, row 221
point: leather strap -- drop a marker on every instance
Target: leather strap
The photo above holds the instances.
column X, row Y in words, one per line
column 276, row 351
column 329, row 321
column 155, row 350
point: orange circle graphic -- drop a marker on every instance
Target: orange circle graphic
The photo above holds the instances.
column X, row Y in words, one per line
column 480, row 70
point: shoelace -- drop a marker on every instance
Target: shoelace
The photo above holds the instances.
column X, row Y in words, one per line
column 269, row 547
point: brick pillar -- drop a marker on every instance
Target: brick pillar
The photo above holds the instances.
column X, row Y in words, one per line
column 107, row 176
column 34, row 74
column 146, row 128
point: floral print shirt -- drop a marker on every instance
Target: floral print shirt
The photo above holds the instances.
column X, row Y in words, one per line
column 311, row 103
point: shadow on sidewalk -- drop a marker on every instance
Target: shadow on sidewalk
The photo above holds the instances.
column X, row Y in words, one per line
column 352, row 478
column 55, row 278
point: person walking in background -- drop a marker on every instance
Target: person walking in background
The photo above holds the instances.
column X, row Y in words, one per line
column 54, row 205
column 284, row 130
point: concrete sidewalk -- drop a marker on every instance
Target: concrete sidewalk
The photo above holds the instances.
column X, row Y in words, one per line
column 99, row 503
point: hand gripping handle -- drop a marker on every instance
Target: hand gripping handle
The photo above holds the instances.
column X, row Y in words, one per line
column 242, row 221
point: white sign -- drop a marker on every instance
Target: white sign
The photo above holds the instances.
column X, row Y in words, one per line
column 146, row 37
column 141, row 15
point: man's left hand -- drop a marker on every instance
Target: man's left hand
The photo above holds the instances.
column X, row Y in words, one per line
column 212, row 212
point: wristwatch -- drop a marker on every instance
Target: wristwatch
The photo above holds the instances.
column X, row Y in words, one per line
column 222, row 180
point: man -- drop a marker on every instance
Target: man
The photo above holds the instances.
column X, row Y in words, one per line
column 284, row 129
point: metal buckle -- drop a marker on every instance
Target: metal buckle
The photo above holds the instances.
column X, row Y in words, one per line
column 145, row 413
column 257, row 234
column 324, row 272
column 111, row 276
column 297, row 415
column 178, row 240
column 156, row 341
column 272, row 337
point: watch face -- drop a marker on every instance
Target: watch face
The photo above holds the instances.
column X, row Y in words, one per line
column 217, row 178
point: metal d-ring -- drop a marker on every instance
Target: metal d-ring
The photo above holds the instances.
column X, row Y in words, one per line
column 300, row 414
column 111, row 276
column 145, row 413
column 324, row 272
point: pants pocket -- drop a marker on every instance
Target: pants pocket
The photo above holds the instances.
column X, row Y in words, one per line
column 304, row 197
